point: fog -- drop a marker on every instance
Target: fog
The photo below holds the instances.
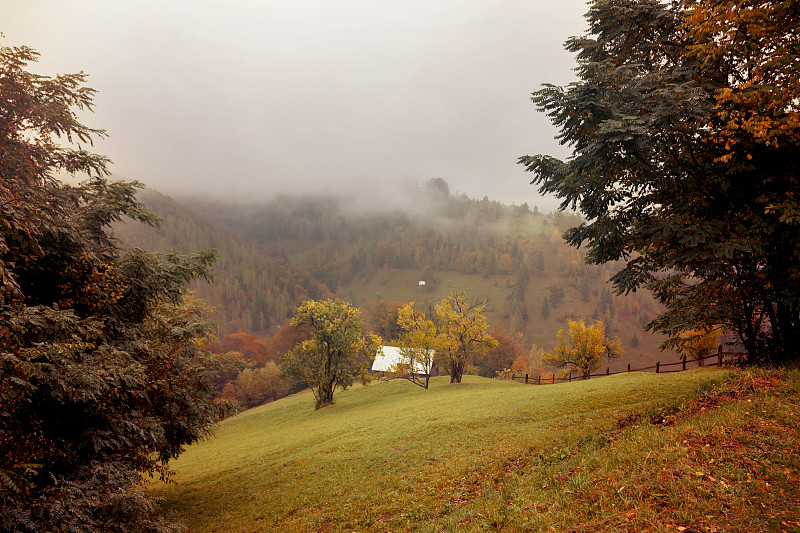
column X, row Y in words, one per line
column 247, row 98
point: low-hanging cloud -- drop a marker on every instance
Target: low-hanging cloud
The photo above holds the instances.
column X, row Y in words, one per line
column 250, row 98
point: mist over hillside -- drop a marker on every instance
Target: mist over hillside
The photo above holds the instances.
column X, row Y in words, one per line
column 417, row 245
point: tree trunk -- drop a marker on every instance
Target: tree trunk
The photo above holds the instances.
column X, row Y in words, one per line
column 325, row 395
column 457, row 370
column 455, row 375
column 788, row 324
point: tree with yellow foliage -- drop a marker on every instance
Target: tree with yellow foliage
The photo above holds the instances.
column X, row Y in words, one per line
column 698, row 344
column 587, row 346
column 418, row 345
column 337, row 351
column 463, row 332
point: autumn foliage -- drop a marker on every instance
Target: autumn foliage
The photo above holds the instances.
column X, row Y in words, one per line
column 336, row 351
column 583, row 348
column 684, row 125
column 699, row 344
column 105, row 377
column 462, row 325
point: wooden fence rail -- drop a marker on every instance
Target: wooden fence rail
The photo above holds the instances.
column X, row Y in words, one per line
column 719, row 359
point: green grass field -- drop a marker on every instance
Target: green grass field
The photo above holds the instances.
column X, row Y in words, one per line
column 612, row 454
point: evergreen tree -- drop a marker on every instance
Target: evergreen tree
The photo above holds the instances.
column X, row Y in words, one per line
column 545, row 310
column 635, row 340
column 538, row 264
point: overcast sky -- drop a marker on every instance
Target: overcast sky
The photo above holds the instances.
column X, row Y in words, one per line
column 251, row 97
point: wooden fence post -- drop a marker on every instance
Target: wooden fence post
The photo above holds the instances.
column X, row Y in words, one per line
column 570, row 375
column 554, row 378
column 526, row 379
column 683, row 367
column 539, row 379
column 629, row 367
column 719, row 356
column 608, row 371
column 658, row 365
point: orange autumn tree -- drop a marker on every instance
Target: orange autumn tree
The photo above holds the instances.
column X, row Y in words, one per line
column 502, row 355
column 756, row 43
column 520, row 365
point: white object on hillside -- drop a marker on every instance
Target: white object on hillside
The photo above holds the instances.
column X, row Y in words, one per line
column 422, row 282
column 392, row 357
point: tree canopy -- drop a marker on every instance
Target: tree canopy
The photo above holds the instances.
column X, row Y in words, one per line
column 418, row 345
column 336, row 351
column 104, row 375
column 685, row 128
column 462, row 333
column 587, row 346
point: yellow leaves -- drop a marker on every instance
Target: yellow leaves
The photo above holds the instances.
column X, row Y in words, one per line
column 337, row 350
column 699, row 343
column 463, row 318
column 463, row 333
column 587, row 344
column 420, row 331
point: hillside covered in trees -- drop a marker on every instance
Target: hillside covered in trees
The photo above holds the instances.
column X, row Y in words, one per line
column 276, row 254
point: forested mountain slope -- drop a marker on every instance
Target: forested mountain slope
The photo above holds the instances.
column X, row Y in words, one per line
column 277, row 253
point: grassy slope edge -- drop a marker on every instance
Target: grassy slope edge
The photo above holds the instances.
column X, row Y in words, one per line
column 703, row 450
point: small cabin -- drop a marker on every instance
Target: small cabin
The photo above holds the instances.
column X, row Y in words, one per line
column 391, row 358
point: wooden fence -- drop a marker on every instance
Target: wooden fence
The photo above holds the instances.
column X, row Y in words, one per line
column 720, row 358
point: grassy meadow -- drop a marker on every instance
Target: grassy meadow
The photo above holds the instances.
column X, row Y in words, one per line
column 631, row 451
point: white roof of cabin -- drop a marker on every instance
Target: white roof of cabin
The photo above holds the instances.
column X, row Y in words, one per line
column 391, row 357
